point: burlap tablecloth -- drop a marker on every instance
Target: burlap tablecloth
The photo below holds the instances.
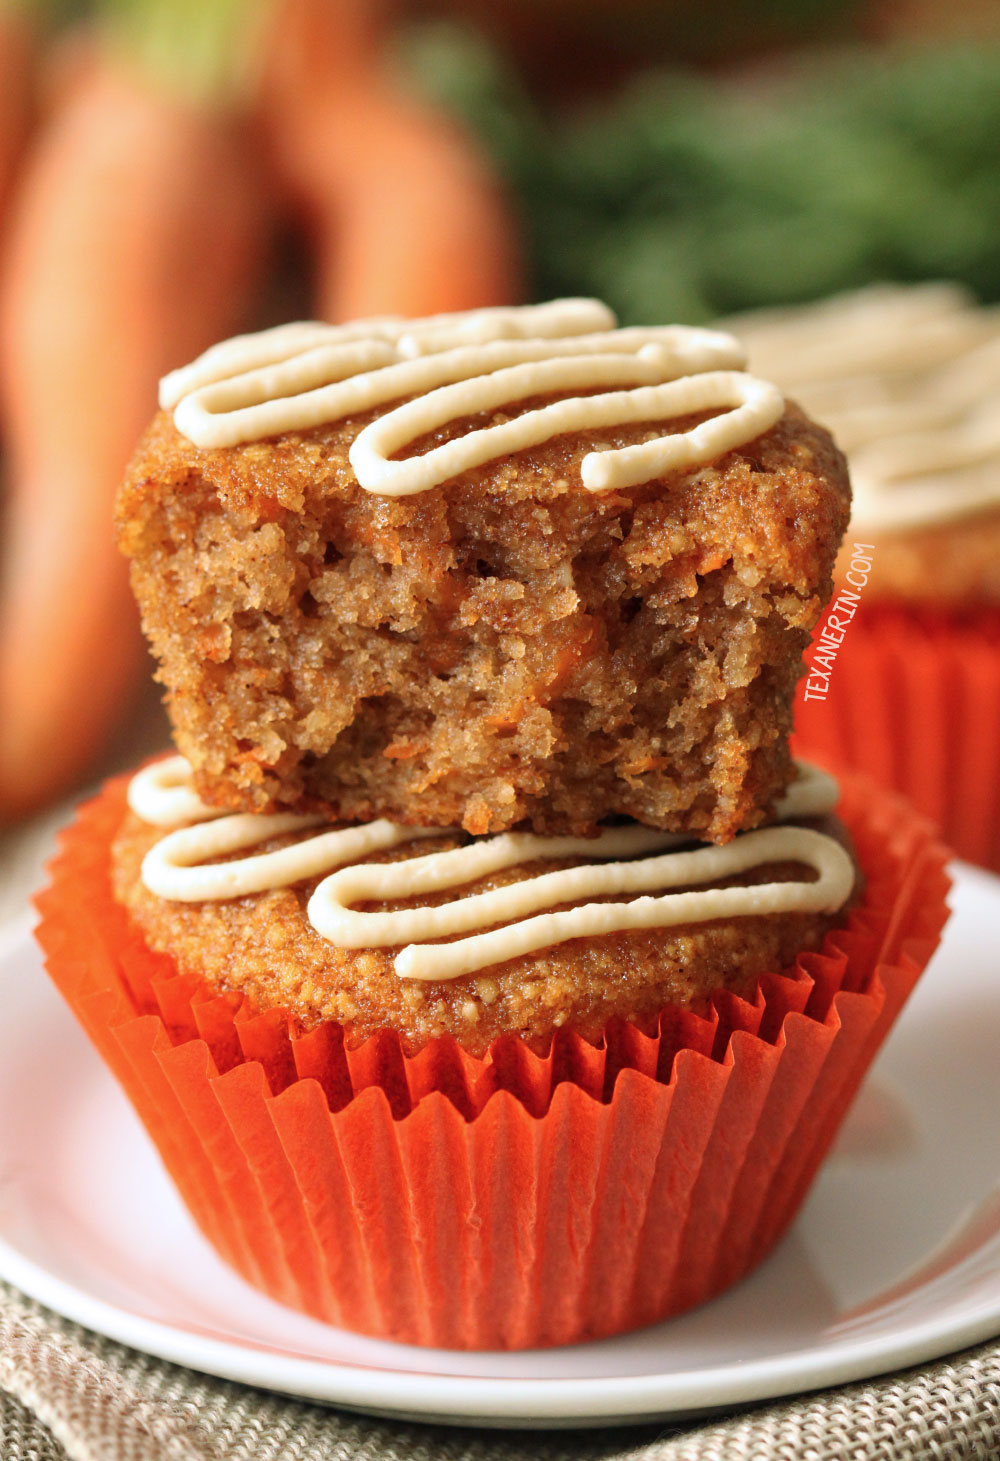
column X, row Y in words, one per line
column 65, row 1392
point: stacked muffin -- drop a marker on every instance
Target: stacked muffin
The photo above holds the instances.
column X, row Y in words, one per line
column 486, row 972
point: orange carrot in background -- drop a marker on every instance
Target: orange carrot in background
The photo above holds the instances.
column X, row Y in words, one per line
column 138, row 239
column 307, row 46
column 415, row 223
column 19, row 53
column 405, row 214
column 70, row 56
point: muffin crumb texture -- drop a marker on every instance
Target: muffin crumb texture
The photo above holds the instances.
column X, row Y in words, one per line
column 506, row 650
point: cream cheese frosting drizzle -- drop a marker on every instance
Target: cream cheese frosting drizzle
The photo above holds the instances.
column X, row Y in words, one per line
column 180, row 867
column 510, row 905
column 448, row 367
column 907, row 377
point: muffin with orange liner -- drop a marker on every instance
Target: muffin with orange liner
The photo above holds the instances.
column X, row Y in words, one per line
column 907, row 684
column 529, row 1085
column 535, row 1192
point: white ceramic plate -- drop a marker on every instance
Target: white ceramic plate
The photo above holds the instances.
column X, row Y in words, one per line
column 895, row 1259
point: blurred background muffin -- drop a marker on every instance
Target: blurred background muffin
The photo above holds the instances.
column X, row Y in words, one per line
column 909, row 682
column 907, row 377
column 171, row 172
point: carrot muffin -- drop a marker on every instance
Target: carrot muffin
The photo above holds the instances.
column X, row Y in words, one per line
column 907, row 377
column 513, row 569
column 562, row 1182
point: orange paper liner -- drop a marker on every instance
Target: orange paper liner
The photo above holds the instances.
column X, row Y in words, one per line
column 511, row 1201
column 914, row 703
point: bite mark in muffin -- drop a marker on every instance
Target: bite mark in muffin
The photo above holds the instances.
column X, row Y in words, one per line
column 505, row 650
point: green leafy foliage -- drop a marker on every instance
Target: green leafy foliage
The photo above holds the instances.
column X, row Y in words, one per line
column 687, row 197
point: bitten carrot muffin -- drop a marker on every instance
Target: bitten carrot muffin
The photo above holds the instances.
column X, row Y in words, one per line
column 516, row 568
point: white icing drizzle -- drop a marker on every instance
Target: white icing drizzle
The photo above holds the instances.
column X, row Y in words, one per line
column 179, row 867
column 174, row 868
column 510, row 905
column 448, row 367
column 413, row 337
column 907, row 377
column 754, row 402
column 161, row 795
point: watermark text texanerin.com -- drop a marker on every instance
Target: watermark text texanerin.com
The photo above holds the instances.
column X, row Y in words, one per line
column 837, row 622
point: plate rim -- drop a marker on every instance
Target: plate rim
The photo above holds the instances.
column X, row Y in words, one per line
column 468, row 1399
column 501, row 1401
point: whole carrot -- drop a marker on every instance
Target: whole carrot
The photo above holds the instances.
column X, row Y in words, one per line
column 137, row 240
column 405, row 214
column 412, row 221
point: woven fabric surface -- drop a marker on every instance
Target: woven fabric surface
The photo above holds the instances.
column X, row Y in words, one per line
column 71, row 1393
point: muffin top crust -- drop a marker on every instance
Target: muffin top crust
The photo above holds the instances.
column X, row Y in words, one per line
column 263, row 945
column 510, row 935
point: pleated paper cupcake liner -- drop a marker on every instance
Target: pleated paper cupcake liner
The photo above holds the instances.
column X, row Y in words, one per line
column 914, row 703
column 514, row 1200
